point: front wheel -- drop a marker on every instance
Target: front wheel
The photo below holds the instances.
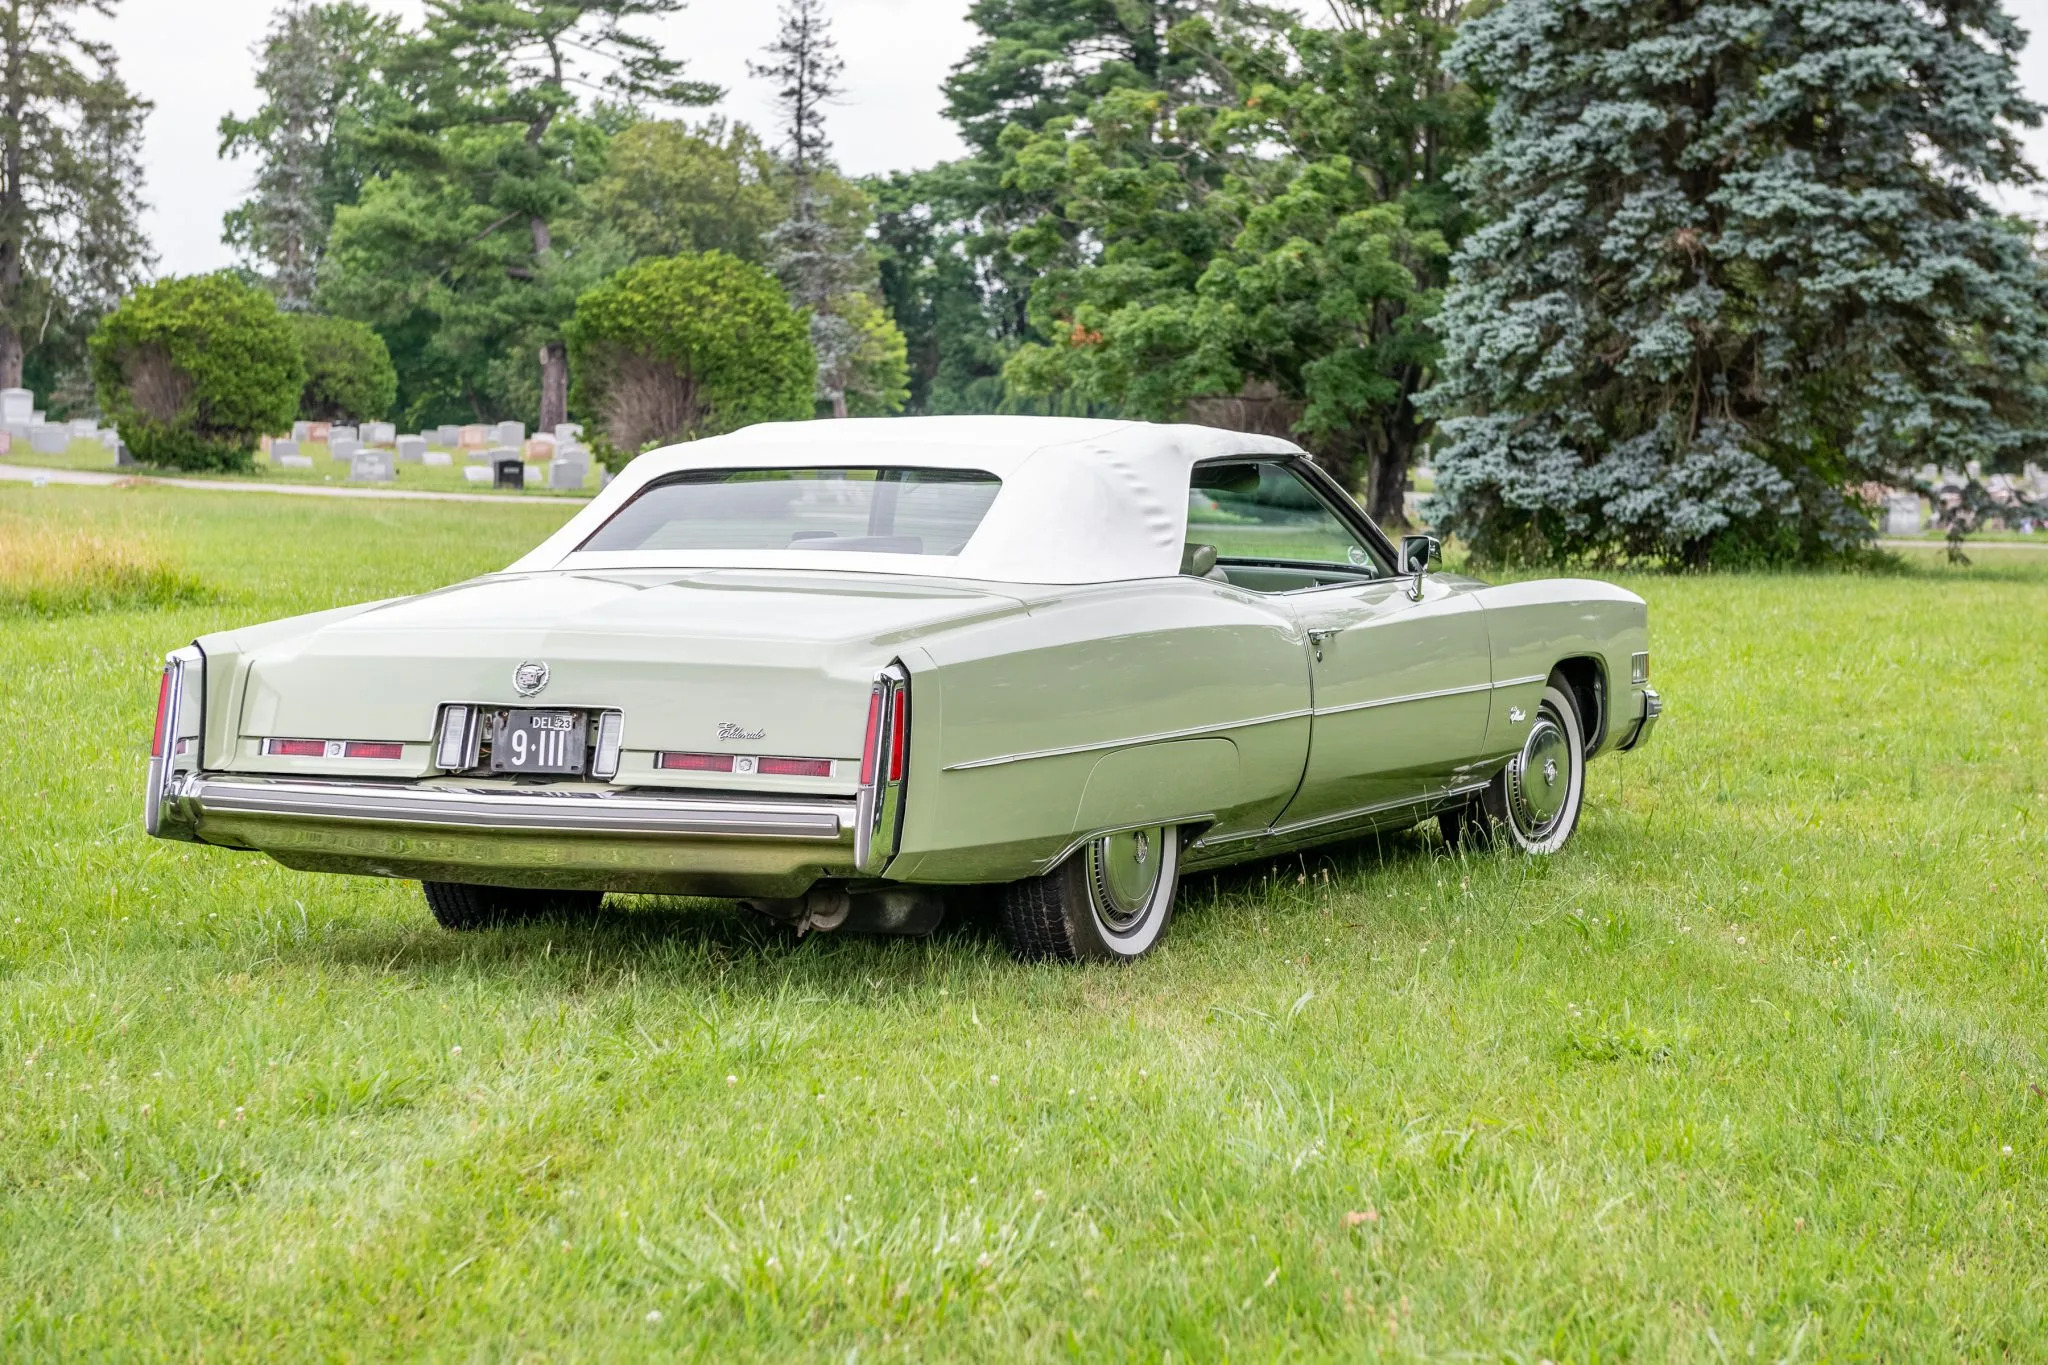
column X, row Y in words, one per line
column 1109, row 902
column 460, row 905
column 1534, row 802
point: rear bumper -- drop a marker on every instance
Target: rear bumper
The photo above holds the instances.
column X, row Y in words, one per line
column 1653, row 707
column 597, row 840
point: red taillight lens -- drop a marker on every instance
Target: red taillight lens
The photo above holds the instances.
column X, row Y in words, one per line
column 899, row 734
column 695, row 763
column 295, row 748
column 163, row 716
column 794, row 767
column 358, row 748
column 870, row 749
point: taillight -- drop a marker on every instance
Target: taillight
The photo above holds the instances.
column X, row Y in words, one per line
column 357, row 748
column 871, row 747
column 157, row 745
column 295, row 748
column 899, row 733
column 794, row 767
column 695, row 763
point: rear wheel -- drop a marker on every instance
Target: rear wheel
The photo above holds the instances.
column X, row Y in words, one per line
column 1535, row 801
column 1109, row 902
column 459, row 905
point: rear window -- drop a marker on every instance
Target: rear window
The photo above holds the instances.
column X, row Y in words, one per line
column 879, row 511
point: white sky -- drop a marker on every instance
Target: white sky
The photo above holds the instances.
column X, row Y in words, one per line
column 192, row 57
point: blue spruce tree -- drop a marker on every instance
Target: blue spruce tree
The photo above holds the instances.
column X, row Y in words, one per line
column 1739, row 261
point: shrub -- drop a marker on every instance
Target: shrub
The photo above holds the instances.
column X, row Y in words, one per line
column 693, row 345
column 349, row 376
column 194, row 370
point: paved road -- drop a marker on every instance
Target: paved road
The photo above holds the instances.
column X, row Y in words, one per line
column 1970, row 545
column 100, row 479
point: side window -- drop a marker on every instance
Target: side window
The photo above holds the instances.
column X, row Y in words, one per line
column 1271, row 531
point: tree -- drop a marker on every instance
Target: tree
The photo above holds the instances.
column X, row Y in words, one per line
column 463, row 244
column 195, row 370
column 690, row 346
column 349, row 375
column 1264, row 249
column 1739, row 262
column 318, row 70
column 818, row 262
column 70, row 179
column 668, row 188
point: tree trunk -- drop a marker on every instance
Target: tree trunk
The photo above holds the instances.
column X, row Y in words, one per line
column 554, row 386
column 839, row 403
column 13, row 206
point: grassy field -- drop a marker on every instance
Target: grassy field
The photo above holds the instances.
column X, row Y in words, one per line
column 91, row 455
column 1753, row 1070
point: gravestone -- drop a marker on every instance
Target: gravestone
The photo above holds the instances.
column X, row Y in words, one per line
column 475, row 437
column 510, row 433
column 281, row 449
column 477, row 473
column 16, row 405
column 412, row 449
column 84, row 429
column 339, row 433
column 289, row 461
column 495, row 454
column 344, row 447
column 1903, row 515
column 541, row 448
column 6, row 444
column 109, row 437
column 124, row 456
column 372, row 466
column 568, row 431
column 319, row 433
column 568, row 473
column 379, row 434
column 437, row 457
column 302, row 432
column 48, row 438
column 604, row 479
column 508, row 470
column 448, row 437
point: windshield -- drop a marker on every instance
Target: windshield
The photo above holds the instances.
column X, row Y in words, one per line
column 879, row 511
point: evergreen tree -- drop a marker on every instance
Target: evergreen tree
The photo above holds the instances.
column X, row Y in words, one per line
column 70, row 184
column 1740, row 260
column 460, row 254
column 821, row 257
column 1266, row 248
column 317, row 70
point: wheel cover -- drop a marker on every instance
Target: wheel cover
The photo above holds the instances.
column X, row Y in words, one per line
column 1540, row 778
column 1124, row 872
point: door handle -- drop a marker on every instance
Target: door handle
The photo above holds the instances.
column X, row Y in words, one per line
column 1321, row 636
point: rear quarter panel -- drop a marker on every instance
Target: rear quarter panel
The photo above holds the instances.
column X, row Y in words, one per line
column 1155, row 701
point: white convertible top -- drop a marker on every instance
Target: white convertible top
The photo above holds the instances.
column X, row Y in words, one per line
column 1083, row 501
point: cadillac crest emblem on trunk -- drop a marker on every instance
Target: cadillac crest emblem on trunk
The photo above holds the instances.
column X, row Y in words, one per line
column 529, row 678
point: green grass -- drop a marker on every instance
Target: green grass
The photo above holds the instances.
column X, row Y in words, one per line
column 1753, row 1070
column 91, row 455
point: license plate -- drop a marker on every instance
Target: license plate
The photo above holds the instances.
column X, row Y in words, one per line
column 525, row 741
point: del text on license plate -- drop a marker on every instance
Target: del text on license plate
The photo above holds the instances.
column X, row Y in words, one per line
column 524, row 741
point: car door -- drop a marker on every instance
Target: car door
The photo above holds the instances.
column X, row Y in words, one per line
column 1401, row 692
column 1400, row 682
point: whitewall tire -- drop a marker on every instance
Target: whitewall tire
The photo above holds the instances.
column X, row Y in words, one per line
column 1534, row 802
column 1109, row 902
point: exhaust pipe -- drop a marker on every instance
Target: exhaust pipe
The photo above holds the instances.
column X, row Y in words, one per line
column 912, row 911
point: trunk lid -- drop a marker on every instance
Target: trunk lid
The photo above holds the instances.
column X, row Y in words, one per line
column 698, row 660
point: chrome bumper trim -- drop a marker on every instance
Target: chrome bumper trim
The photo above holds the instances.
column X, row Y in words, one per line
column 1653, row 707
column 595, row 813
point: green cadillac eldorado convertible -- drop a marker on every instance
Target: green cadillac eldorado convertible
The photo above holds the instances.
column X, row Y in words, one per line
column 841, row 670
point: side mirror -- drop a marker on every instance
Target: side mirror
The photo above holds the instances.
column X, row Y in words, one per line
column 1418, row 552
column 1198, row 560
